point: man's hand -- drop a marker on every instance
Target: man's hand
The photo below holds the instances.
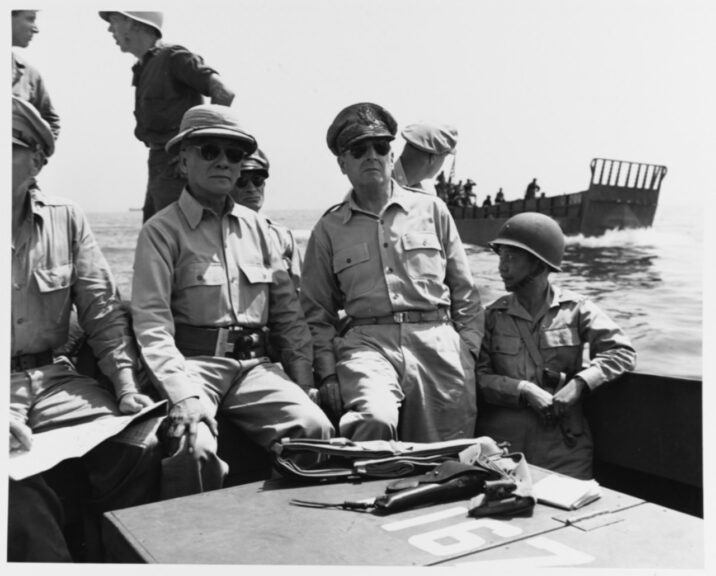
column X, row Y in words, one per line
column 539, row 400
column 132, row 403
column 20, row 436
column 568, row 396
column 330, row 397
column 183, row 419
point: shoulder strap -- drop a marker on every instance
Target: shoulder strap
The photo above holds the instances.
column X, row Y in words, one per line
column 530, row 344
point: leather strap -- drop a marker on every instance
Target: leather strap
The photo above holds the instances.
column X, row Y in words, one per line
column 23, row 362
column 405, row 316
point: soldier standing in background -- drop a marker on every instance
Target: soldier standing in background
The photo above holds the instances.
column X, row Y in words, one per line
column 26, row 80
column 169, row 79
column 426, row 148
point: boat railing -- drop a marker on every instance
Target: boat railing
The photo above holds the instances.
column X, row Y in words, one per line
column 554, row 206
column 625, row 174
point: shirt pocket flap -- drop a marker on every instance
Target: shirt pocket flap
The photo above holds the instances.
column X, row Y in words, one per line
column 350, row 257
column 200, row 274
column 57, row 278
column 420, row 241
column 258, row 274
column 560, row 337
column 506, row 344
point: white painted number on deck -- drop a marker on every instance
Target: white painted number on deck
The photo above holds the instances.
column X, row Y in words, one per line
column 461, row 538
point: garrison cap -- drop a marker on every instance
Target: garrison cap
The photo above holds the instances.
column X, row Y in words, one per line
column 431, row 138
column 29, row 129
column 256, row 161
column 153, row 19
column 211, row 120
column 358, row 122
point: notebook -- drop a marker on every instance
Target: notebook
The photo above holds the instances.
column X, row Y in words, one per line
column 565, row 492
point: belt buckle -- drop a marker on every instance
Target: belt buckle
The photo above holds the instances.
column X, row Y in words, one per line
column 222, row 343
column 400, row 317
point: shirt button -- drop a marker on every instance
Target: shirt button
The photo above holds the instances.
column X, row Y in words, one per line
column 388, row 269
column 395, row 296
column 382, row 221
column 20, row 321
column 199, row 277
column 348, row 260
column 425, row 242
column 385, row 244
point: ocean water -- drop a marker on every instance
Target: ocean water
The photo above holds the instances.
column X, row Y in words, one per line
column 648, row 280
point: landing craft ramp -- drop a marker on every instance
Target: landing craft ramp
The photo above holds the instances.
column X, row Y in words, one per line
column 256, row 524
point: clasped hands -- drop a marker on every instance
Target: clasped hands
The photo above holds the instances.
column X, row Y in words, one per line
column 551, row 407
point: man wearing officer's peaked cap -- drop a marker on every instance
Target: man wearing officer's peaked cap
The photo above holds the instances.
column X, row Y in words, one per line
column 394, row 261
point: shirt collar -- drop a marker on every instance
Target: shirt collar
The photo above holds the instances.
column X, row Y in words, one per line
column 401, row 197
column 193, row 210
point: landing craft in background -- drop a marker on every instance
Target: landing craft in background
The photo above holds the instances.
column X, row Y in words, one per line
column 621, row 195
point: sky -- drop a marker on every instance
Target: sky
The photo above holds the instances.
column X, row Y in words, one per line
column 536, row 88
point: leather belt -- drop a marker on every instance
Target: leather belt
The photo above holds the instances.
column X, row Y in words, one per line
column 406, row 316
column 23, row 362
column 238, row 342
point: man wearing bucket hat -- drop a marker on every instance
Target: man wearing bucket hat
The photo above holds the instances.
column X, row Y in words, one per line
column 394, row 261
column 26, row 80
column 426, row 148
column 56, row 264
column 168, row 80
column 209, row 292
column 249, row 192
column 530, row 370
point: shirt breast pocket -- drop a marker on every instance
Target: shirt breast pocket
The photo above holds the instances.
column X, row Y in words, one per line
column 562, row 349
column 201, row 276
column 54, row 285
column 505, row 354
column 423, row 255
column 352, row 267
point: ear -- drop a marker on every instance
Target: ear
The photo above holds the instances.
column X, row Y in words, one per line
column 38, row 161
column 182, row 164
column 341, row 163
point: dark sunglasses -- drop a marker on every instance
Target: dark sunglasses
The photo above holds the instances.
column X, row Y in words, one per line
column 210, row 152
column 381, row 147
column 256, row 179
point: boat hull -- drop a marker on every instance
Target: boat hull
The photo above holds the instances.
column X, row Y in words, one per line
column 621, row 195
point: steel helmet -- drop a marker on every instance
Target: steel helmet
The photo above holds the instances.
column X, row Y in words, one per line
column 153, row 19
column 536, row 233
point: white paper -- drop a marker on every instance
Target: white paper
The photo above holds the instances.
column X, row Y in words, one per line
column 565, row 492
column 52, row 447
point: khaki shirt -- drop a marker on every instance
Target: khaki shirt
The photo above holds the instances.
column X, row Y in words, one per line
column 194, row 267
column 409, row 257
column 56, row 263
column 287, row 247
column 560, row 335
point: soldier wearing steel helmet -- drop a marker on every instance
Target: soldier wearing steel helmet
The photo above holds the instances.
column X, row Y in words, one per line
column 168, row 80
column 530, row 372
column 249, row 191
column 209, row 294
